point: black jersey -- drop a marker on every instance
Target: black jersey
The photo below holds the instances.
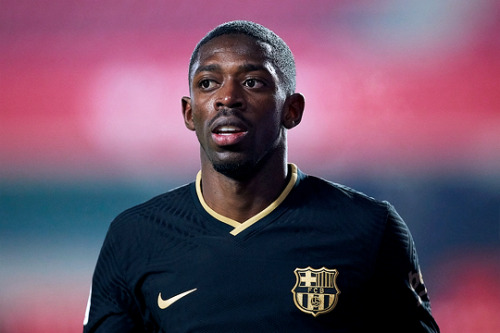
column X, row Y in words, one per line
column 321, row 258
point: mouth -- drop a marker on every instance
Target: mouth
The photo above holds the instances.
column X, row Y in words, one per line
column 228, row 134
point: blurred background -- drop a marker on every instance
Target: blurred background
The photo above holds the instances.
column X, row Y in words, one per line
column 403, row 103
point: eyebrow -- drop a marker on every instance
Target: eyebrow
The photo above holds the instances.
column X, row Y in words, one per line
column 252, row 68
column 243, row 68
column 207, row 68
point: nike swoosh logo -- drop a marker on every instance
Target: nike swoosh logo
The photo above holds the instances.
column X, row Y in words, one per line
column 163, row 304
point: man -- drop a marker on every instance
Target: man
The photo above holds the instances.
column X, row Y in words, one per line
column 254, row 244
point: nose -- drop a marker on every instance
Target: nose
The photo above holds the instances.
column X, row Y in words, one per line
column 229, row 95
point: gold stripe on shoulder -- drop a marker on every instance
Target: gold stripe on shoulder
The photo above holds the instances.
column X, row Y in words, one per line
column 239, row 227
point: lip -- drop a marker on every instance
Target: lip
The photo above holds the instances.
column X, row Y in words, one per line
column 228, row 139
column 228, row 131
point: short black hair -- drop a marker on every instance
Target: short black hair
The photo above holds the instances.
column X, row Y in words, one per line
column 281, row 55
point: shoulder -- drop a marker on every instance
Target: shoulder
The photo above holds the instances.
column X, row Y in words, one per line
column 155, row 210
column 318, row 189
column 133, row 233
column 342, row 210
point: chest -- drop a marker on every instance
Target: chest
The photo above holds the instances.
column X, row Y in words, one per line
column 283, row 275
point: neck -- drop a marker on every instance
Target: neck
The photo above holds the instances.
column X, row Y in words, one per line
column 240, row 199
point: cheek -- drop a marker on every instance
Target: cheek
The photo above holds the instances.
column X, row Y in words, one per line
column 274, row 115
column 199, row 127
column 197, row 114
column 203, row 108
column 272, row 125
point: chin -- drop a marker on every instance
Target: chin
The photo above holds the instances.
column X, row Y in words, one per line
column 239, row 170
column 242, row 167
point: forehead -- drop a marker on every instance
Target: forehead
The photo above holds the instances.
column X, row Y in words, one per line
column 228, row 48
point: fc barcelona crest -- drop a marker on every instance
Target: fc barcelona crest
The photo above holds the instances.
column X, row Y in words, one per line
column 315, row 290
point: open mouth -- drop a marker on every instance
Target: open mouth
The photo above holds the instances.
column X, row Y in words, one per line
column 228, row 130
column 227, row 135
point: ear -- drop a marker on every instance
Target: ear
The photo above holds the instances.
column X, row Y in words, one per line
column 187, row 112
column 293, row 110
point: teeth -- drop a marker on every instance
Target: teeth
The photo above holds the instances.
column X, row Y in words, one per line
column 227, row 129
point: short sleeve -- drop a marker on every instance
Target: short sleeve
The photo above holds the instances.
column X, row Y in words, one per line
column 400, row 302
column 111, row 307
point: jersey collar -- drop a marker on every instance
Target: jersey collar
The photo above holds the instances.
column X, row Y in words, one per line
column 239, row 227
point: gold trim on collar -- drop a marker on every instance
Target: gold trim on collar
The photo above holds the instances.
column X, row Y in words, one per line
column 239, row 227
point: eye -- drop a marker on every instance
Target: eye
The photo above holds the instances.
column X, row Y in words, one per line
column 253, row 83
column 206, row 84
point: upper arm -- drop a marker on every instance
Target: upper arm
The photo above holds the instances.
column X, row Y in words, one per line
column 111, row 306
column 402, row 303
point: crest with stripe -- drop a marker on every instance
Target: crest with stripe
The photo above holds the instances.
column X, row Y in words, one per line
column 315, row 290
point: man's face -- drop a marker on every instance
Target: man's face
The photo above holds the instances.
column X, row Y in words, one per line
column 236, row 104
